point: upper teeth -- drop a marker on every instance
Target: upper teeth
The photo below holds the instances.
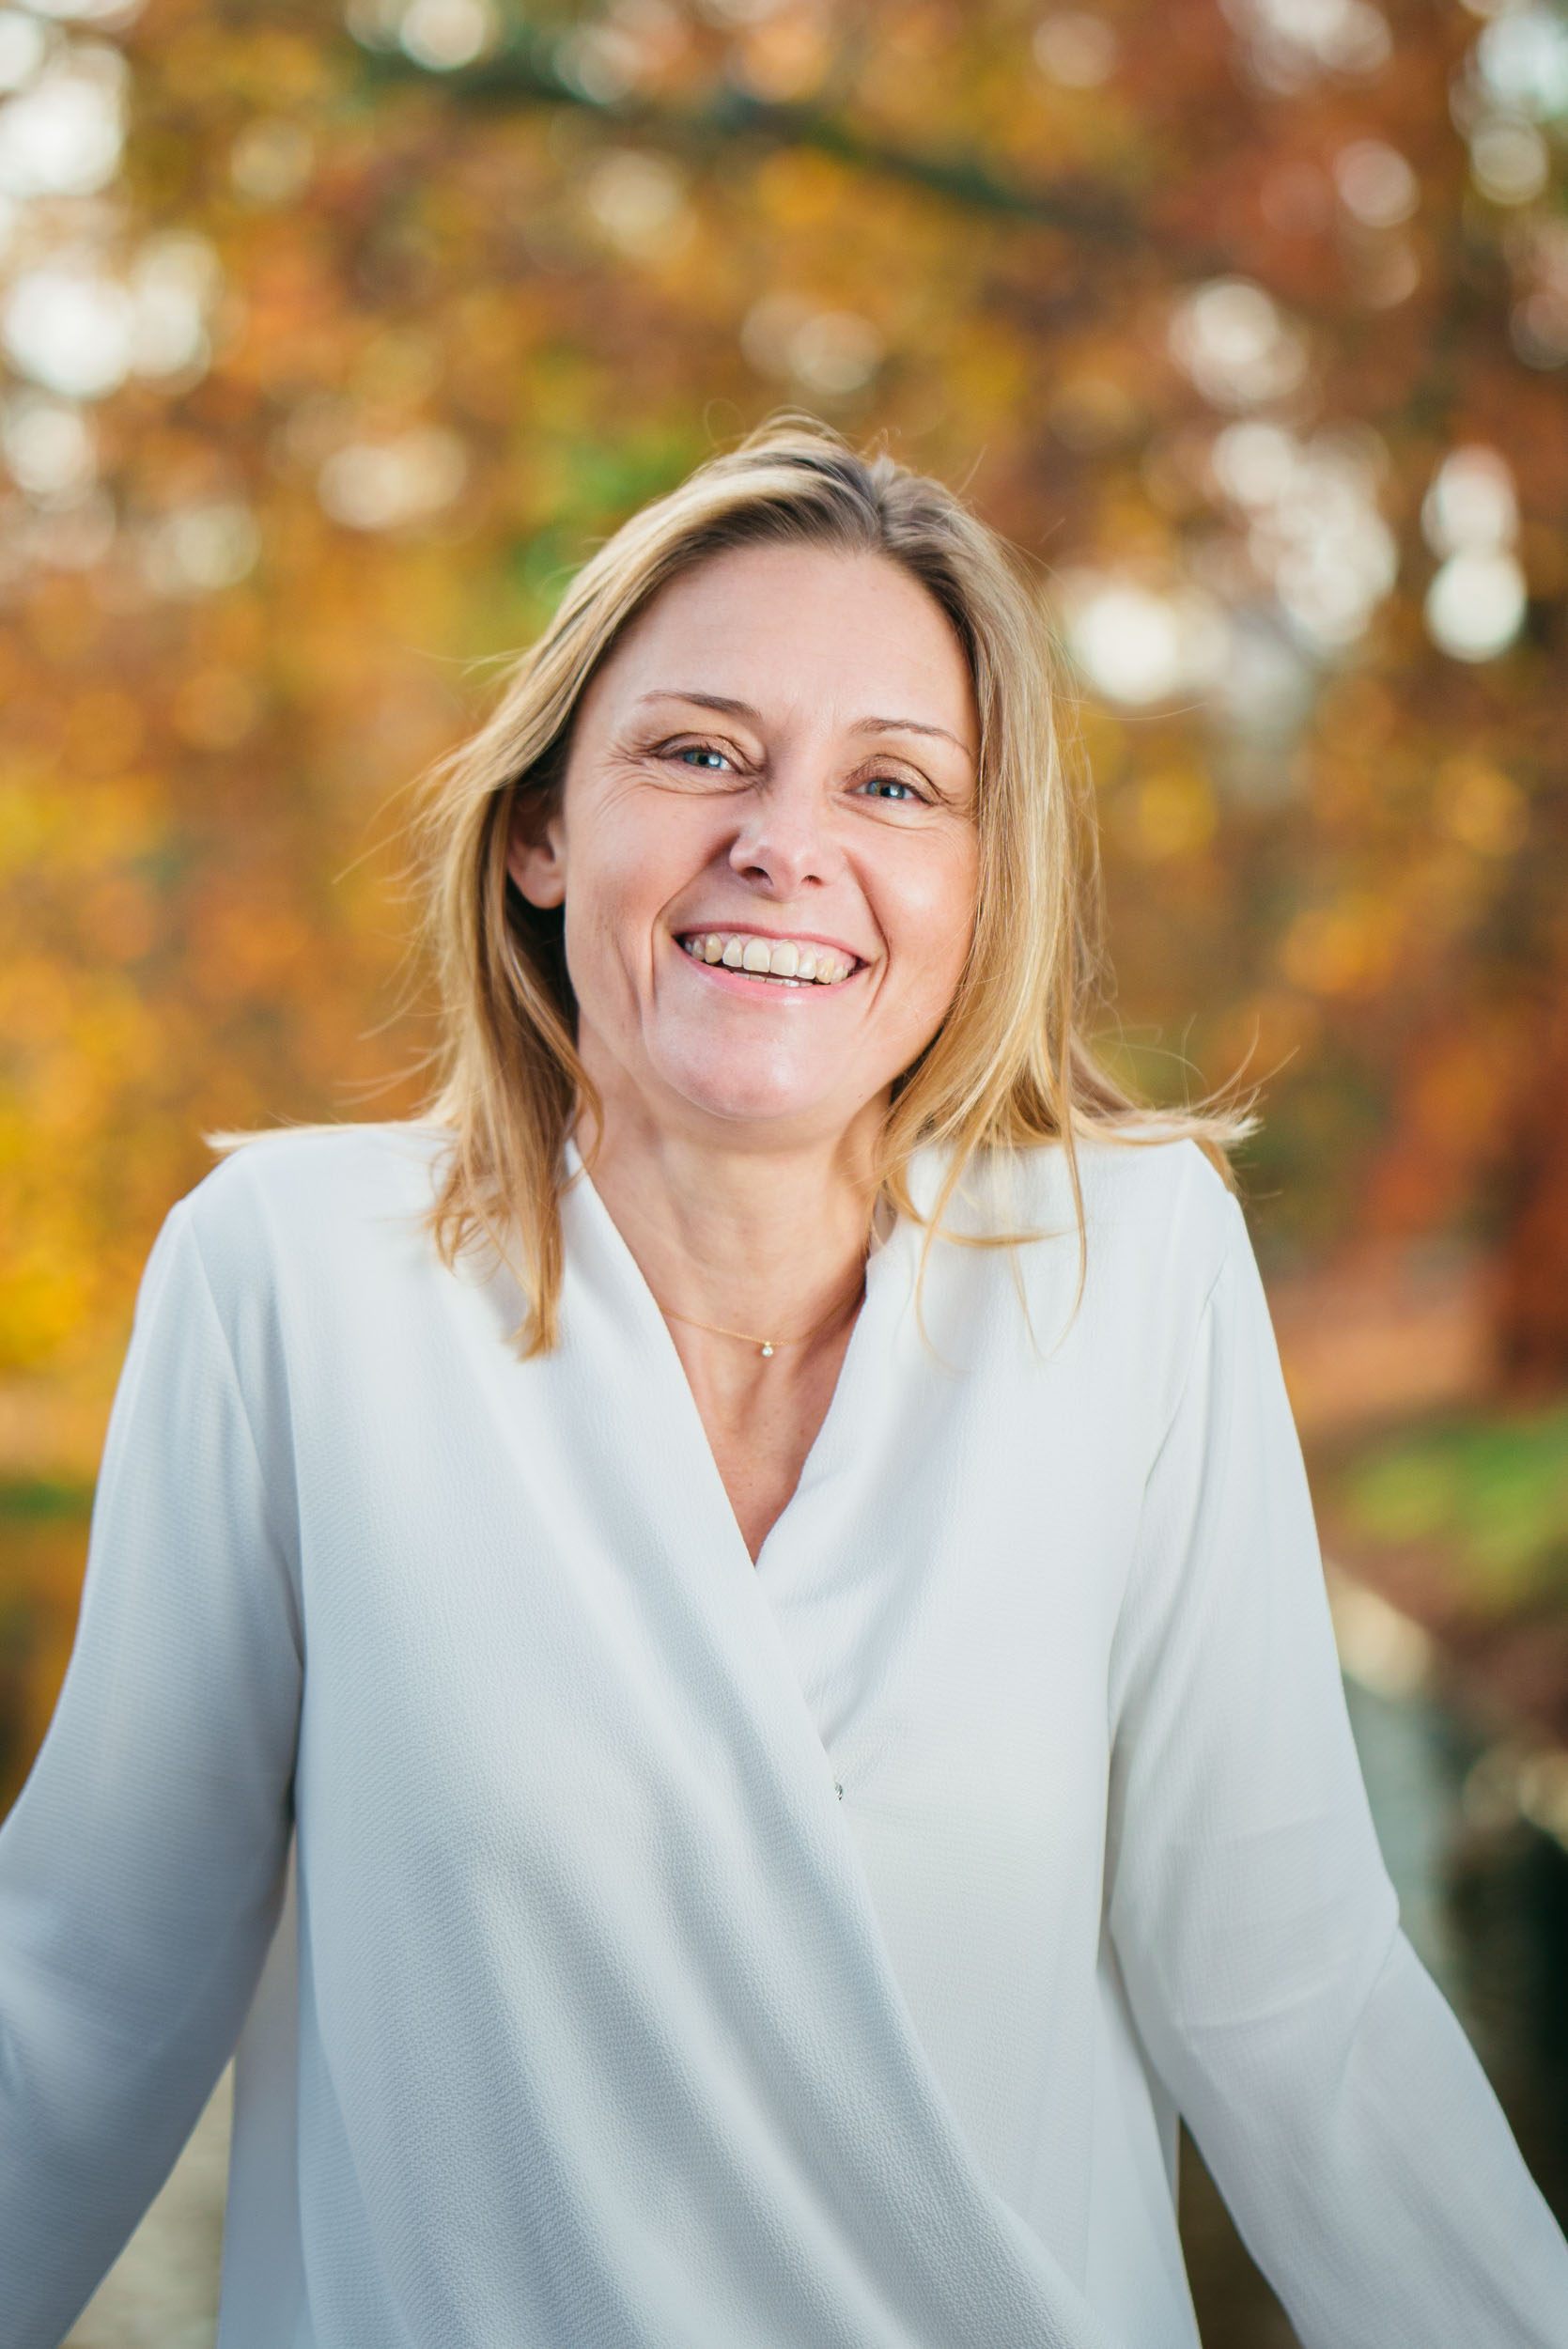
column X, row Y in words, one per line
column 769, row 958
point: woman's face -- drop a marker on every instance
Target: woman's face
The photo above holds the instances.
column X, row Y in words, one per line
column 766, row 845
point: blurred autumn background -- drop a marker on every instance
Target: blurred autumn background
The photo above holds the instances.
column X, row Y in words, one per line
column 333, row 342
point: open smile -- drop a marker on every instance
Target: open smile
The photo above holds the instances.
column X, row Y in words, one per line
column 777, row 961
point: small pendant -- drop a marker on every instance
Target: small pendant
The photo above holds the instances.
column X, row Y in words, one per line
column 767, row 1349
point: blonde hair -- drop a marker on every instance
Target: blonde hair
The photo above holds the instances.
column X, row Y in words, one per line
column 1009, row 1067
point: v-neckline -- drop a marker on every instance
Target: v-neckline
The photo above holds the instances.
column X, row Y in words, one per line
column 884, row 1295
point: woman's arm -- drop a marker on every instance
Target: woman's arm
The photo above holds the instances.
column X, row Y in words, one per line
column 141, row 1869
column 1336, row 2100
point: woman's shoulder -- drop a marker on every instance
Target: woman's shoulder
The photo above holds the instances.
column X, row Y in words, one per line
column 1151, row 1190
column 307, row 1190
column 1160, row 1227
column 1156, row 1179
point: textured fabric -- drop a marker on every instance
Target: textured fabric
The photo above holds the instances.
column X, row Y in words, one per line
column 601, row 2017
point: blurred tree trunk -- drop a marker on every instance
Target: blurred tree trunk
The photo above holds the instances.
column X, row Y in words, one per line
column 1533, row 1294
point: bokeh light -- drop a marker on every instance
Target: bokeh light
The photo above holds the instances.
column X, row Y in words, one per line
column 64, row 134
column 1075, row 49
column 1140, row 647
column 1477, row 602
column 1475, row 606
column 385, row 485
column 1234, row 341
column 1375, row 183
column 70, row 328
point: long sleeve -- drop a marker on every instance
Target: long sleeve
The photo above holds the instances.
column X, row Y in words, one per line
column 1333, row 2094
column 140, row 1872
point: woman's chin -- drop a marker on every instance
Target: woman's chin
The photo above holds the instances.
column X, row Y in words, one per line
column 773, row 1103
column 767, row 1114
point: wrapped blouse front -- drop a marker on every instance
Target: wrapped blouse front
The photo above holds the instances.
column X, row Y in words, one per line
column 813, row 1957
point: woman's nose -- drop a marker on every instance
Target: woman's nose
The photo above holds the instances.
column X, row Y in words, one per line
column 783, row 839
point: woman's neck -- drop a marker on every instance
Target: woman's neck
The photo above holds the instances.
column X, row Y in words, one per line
column 756, row 1257
column 766, row 1241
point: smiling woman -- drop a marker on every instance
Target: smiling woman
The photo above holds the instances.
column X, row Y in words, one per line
column 715, row 1657
column 902, row 699
column 792, row 825
column 769, row 898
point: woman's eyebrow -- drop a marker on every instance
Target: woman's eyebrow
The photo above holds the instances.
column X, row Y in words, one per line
column 704, row 701
column 909, row 725
column 732, row 708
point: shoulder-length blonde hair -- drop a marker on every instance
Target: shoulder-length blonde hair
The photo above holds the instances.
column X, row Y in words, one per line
column 1008, row 1068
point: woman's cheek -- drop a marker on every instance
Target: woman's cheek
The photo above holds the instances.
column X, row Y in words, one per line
column 928, row 912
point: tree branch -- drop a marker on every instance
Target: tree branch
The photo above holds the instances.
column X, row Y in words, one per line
column 523, row 73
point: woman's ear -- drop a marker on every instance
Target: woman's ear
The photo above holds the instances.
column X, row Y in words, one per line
column 536, row 852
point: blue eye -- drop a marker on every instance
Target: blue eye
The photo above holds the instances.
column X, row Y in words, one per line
column 884, row 787
column 698, row 753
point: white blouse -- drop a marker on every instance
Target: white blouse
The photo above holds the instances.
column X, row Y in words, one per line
column 689, row 1956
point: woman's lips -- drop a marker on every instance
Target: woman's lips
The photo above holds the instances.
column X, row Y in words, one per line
column 791, row 961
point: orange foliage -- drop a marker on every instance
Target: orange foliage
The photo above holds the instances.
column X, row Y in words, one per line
column 459, row 322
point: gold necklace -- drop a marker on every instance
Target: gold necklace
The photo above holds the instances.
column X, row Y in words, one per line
column 766, row 1347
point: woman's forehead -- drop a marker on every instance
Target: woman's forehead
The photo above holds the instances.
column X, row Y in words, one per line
column 768, row 625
